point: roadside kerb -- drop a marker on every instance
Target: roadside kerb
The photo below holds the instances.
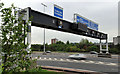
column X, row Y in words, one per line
column 70, row 70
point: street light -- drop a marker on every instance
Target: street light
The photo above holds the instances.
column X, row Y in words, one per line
column 44, row 6
column 44, row 28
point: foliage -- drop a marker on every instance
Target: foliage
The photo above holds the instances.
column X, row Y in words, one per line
column 1, row 69
column 36, row 47
column 115, row 49
column 61, row 46
column 59, row 42
column 67, row 42
column 72, row 49
column 93, row 48
column 83, row 46
column 56, row 47
column 14, row 32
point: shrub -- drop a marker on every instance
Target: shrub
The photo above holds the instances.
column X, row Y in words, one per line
column 92, row 48
column 114, row 50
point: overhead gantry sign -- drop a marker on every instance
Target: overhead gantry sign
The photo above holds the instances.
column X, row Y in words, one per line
column 50, row 22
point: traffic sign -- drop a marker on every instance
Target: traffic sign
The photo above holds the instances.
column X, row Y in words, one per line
column 90, row 24
column 58, row 11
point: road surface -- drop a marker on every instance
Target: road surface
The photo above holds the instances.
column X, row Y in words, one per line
column 92, row 63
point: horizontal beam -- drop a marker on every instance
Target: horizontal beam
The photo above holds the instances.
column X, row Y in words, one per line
column 46, row 21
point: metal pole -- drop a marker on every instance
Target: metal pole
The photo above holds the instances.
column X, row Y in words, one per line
column 29, row 32
column 44, row 28
column 107, row 46
column 100, row 46
column 44, row 40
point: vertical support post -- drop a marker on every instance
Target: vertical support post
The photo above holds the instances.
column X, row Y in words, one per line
column 29, row 31
column 44, row 32
column 44, row 40
column 107, row 46
column 100, row 46
column 44, row 28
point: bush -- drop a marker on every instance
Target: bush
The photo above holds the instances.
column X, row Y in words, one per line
column 72, row 49
column 1, row 69
column 93, row 48
column 114, row 50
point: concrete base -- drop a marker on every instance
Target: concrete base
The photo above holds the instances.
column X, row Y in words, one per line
column 106, row 55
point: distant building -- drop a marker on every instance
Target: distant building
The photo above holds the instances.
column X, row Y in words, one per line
column 116, row 40
column 54, row 40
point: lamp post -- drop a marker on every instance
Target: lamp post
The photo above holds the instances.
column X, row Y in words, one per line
column 44, row 28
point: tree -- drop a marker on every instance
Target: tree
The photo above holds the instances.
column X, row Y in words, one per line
column 13, row 46
column 59, row 42
column 84, row 44
column 93, row 48
column 84, row 41
column 67, row 42
column 0, row 45
column 72, row 49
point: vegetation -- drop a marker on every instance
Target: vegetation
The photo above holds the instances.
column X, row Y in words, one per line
column 114, row 49
column 15, row 55
column 1, row 69
column 83, row 46
column 13, row 46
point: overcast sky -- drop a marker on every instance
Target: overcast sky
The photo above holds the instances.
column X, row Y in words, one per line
column 103, row 12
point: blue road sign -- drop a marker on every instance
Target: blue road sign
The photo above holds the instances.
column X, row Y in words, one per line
column 58, row 11
column 90, row 24
column 93, row 25
column 82, row 20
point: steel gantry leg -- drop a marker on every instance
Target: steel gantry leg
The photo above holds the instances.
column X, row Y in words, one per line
column 29, row 32
column 101, row 49
column 100, row 46
column 107, row 46
column 104, row 52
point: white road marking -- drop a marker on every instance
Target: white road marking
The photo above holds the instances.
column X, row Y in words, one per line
column 67, row 59
column 100, row 62
column 61, row 59
column 35, row 57
column 55, row 59
column 111, row 64
column 91, row 62
column 77, row 61
column 82, row 61
column 50, row 59
column 44, row 58
column 40, row 58
column 86, row 62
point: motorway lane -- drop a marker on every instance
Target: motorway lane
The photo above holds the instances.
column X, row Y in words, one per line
column 90, row 57
column 79, row 65
column 93, row 62
column 77, row 61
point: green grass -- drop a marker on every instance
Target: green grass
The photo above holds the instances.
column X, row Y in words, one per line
column 40, row 71
column 32, row 71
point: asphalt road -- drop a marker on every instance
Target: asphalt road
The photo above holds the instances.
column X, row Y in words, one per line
column 74, row 65
column 92, row 57
column 92, row 63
